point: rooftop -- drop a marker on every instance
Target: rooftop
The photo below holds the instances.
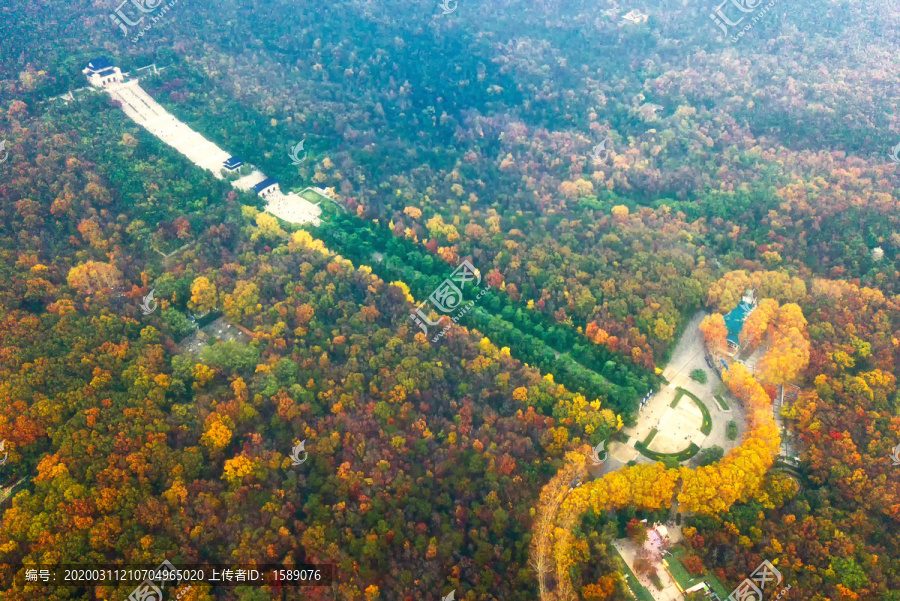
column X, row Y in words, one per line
column 269, row 181
column 734, row 320
column 99, row 64
column 233, row 163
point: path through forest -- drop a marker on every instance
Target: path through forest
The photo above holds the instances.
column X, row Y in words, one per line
column 153, row 117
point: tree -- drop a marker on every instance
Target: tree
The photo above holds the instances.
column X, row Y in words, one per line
column 93, row 276
column 637, row 531
column 731, row 430
column 243, row 302
column 715, row 332
column 203, row 296
column 710, row 455
column 601, row 590
column 231, row 356
column 699, row 375
column 643, row 567
column 178, row 323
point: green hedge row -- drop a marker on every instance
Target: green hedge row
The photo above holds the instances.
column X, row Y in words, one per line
column 684, row 455
column 706, row 428
column 575, row 362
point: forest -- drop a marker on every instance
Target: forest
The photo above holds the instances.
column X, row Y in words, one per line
column 432, row 467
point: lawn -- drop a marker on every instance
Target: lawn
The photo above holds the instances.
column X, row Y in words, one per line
column 684, row 455
column 685, row 580
column 650, row 436
column 313, row 196
column 706, row 428
column 722, row 402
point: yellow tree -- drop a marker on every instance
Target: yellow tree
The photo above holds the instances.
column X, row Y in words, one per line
column 268, row 228
column 243, row 302
column 93, row 276
column 551, row 496
column 757, row 324
column 715, row 332
column 217, row 434
column 203, row 295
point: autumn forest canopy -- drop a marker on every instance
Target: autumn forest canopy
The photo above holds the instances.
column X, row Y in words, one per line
column 684, row 309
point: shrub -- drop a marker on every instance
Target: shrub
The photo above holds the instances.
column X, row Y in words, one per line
column 721, row 402
column 699, row 375
column 710, row 455
column 731, row 430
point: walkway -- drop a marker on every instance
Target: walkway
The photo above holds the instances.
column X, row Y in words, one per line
column 150, row 115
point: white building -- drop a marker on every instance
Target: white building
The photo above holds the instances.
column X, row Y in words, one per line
column 101, row 72
column 266, row 187
column 635, row 17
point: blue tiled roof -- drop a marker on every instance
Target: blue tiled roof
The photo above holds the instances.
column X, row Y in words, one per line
column 264, row 184
column 233, row 163
column 100, row 63
column 106, row 72
column 734, row 321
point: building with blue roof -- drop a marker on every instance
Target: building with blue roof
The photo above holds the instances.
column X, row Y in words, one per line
column 266, row 187
column 232, row 163
column 735, row 319
column 101, row 72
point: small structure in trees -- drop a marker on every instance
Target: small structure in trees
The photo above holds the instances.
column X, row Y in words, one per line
column 101, row 72
column 635, row 16
column 735, row 319
column 266, row 187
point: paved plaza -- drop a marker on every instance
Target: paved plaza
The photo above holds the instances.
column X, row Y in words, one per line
column 678, row 427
